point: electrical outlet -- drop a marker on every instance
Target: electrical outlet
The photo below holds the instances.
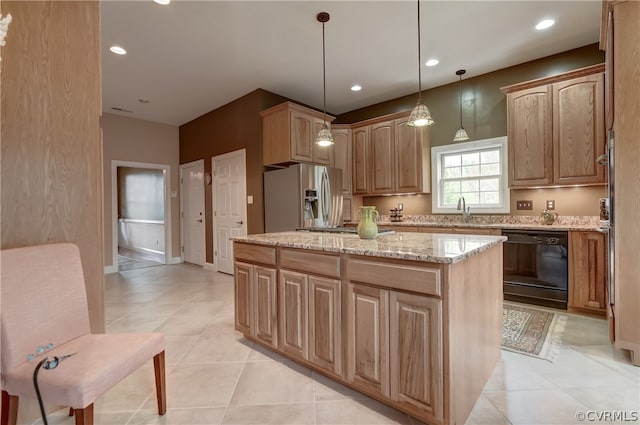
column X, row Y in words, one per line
column 551, row 205
column 524, row 205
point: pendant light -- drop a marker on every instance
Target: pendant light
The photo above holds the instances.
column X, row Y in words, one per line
column 324, row 138
column 420, row 115
column 461, row 134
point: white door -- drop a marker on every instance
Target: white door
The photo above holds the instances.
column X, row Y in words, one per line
column 192, row 181
column 230, row 208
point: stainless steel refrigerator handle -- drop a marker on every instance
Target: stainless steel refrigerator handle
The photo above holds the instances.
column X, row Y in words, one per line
column 326, row 196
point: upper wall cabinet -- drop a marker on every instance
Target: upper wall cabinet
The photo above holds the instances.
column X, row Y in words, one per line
column 390, row 157
column 288, row 135
column 556, row 129
column 342, row 155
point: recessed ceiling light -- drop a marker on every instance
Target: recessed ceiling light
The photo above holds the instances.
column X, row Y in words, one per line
column 543, row 25
column 163, row 2
column 356, row 87
column 432, row 62
column 118, row 50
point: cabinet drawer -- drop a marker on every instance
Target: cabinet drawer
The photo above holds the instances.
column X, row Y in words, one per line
column 395, row 275
column 312, row 263
column 254, row 253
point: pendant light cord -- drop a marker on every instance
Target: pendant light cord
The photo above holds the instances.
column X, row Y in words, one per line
column 324, row 83
column 460, row 100
column 419, row 59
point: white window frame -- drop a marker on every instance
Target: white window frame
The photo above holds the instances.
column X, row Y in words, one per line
column 436, row 173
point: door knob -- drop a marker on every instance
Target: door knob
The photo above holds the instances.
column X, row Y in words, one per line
column 199, row 221
column 239, row 222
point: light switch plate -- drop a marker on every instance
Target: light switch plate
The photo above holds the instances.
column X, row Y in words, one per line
column 250, row 199
column 524, row 205
column 551, row 205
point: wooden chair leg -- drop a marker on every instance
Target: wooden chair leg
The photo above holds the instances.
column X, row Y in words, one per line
column 9, row 409
column 71, row 411
column 161, row 390
column 84, row 416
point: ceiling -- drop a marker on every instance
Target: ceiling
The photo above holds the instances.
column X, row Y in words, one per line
column 191, row 57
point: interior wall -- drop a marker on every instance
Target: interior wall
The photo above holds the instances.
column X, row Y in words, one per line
column 568, row 201
column 485, row 116
column 50, row 138
column 234, row 126
column 129, row 139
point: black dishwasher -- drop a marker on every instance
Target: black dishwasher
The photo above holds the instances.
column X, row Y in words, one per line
column 535, row 267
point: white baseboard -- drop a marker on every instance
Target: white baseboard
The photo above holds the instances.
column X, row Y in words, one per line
column 175, row 260
column 210, row 266
column 110, row 269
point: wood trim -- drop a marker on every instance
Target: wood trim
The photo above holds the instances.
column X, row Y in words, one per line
column 9, row 408
column 84, row 416
column 254, row 253
column 381, row 118
column 310, row 262
column 290, row 106
column 580, row 72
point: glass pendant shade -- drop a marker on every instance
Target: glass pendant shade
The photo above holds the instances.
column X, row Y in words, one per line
column 324, row 138
column 420, row 116
column 461, row 135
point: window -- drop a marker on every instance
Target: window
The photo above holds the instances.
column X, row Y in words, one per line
column 474, row 170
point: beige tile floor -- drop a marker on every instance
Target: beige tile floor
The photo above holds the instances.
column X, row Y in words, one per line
column 214, row 376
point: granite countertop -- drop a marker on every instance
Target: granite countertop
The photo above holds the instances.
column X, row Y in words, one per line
column 591, row 223
column 429, row 247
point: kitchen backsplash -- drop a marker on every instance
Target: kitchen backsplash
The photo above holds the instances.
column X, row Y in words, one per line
column 567, row 220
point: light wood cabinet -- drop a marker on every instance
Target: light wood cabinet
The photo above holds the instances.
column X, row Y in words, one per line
column 530, row 137
column 382, row 161
column 416, row 355
column 622, row 41
column 556, row 129
column 293, row 313
column 361, row 179
column 255, row 302
column 587, row 272
column 288, row 135
column 342, row 158
column 390, row 157
column 325, row 334
column 367, row 335
column 578, row 130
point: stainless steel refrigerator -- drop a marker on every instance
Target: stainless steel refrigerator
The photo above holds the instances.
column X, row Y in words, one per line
column 302, row 196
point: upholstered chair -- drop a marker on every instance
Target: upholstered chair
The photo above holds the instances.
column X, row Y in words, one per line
column 44, row 301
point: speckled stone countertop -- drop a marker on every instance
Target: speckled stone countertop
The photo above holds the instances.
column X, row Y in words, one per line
column 497, row 222
column 429, row 247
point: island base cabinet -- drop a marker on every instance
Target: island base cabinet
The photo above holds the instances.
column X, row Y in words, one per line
column 367, row 325
column 293, row 313
column 416, row 353
column 255, row 302
column 325, row 336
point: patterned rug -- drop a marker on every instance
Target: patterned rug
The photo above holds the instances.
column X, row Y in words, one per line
column 533, row 332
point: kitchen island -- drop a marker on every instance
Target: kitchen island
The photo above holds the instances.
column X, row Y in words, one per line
column 411, row 319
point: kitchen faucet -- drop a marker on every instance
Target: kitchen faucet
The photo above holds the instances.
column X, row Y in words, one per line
column 466, row 211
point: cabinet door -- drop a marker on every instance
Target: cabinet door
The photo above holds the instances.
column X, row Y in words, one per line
column 321, row 154
column 416, row 352
column 342, row 157
column 325, row 349
column 530, row 137
column 301, row 140
column 293, row 313
column 360, row 138
column 382, row 157
column 265, row 306
column 587, row 272
column 367, row 326
column 412, row 162
column 243, row 276
column 578, row 130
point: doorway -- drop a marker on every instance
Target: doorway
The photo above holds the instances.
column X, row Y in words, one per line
column 192, row 207
column 229, row 195
column 141, row 215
